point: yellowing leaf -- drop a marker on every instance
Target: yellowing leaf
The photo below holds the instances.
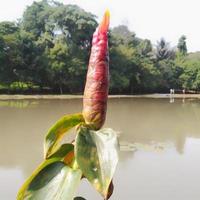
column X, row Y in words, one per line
column 96, row 153
column 63, row 151
column 57, row 131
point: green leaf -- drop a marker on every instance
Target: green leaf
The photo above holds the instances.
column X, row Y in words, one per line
column 63, row 151
column 28, row 181
column 51, row 181
column 57, row 131
column 96, row 153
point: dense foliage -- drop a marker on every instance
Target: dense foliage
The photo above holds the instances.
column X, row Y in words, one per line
column 48, row 51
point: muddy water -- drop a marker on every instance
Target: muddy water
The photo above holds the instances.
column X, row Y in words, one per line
column 159, row 142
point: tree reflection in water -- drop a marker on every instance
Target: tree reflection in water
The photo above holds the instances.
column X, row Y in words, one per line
column 153, row 126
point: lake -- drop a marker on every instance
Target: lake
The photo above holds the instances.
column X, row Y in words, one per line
column 159, row 145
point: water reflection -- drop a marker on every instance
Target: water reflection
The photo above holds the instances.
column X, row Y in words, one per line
column 155, row 124
column 171, row 100
column 18, row 103
column 149, row 124
column 150, row 131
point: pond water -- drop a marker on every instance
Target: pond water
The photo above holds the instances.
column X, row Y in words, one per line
column 159, row 145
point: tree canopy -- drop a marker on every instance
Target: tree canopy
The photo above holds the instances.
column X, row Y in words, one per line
column 48, row 51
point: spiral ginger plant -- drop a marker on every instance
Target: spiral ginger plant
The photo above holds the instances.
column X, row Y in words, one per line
column 94, row 152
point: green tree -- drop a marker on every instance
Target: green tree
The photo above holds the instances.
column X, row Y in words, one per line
column 124, row 36
column 34, row 67
column 7, row 27
column 191, row 75
column 145, row 48
column 36, row 18
column 75, row 24
column 61, row 35
column 120, row 65
column 11, row 58
column 50, row 48
column 164, row 51
column 182, row 47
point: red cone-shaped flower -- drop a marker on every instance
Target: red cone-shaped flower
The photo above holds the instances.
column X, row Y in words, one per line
column 96, row 88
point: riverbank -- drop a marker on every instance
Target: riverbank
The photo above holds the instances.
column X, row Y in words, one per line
column 32, row 97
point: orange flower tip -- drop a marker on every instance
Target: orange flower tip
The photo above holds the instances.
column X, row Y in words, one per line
column 104, row 25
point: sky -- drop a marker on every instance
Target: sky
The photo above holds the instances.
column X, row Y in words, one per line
column 149, row 19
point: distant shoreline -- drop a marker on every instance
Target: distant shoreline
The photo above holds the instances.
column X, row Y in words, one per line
column 38, row 97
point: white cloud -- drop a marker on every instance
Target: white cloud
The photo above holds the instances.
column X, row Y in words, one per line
column 12, row 10
column 151, row 19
